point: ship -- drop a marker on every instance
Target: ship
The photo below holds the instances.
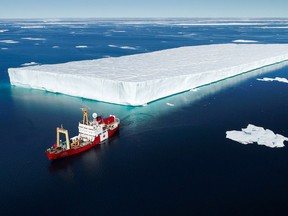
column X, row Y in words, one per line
column 90, row 134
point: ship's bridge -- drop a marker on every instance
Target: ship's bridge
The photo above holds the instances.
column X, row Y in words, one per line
column 90, row 130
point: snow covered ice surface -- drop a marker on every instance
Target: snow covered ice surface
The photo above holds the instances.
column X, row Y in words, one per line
column 142, row 78
column 254, row 134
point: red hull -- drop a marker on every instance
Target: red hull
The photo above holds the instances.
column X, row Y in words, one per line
column 77, row 150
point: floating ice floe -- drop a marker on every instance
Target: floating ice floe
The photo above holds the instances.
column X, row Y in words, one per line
column 81, row 47
column 4, row 48
column 29, row 64
column 34, row 39
column 118, row 31
column 273, row 27
column 254, row 134
column 111, row 45
column 170, row 104
column 122, row 47
column 141, row 78
column 278, row 79
column 127, row 47
column 55, row 47
column 32, row 27
column 9, row 41
column 3, row 30
column 244, row 41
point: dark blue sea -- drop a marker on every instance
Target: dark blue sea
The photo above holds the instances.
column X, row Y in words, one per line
column 166, row 160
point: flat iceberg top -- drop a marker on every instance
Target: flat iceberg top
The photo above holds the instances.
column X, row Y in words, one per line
column 167, row 63
column 142, row 78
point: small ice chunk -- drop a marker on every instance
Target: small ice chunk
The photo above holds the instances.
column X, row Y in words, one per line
column 122, row 47
column 3, row 30
column 9, row 41
column 29, row 64
column 278, row 79
column 128, row 47
column 32, row 27
column 112, row 45
column 170, row 104
column 81, row 46
column 34, row 39
column 244, row 41
column 118, row 31
column 255, row 134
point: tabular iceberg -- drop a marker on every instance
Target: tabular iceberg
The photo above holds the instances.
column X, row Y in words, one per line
column 141, row 78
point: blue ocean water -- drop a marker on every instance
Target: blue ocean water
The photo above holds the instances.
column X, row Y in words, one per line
column 166, row 160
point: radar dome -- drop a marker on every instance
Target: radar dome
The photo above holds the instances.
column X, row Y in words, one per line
column 94, row 115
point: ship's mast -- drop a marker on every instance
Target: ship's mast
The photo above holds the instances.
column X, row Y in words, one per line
column 85, row 116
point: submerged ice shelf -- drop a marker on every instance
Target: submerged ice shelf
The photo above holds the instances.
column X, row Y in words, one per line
column 141, row 78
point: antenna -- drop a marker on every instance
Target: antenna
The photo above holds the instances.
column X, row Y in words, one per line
column 85, row 115
column 85, row 108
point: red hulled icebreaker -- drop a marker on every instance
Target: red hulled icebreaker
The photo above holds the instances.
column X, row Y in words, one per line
column 90, row 134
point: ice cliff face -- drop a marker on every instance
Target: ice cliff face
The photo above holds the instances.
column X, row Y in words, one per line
column 142, row 78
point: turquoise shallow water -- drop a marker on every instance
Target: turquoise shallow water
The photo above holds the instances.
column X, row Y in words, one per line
column 166, row 160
